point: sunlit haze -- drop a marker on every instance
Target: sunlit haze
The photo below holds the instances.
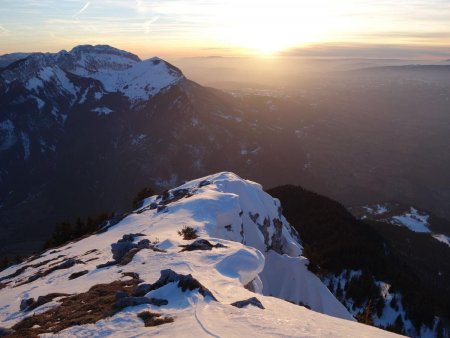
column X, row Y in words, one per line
column 173, row 28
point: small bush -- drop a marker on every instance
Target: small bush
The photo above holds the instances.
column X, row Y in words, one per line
column 188, row 233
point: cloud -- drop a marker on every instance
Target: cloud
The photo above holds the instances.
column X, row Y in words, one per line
column 148, row 23
column 3, row 30
column 82, row 9
column 142, row 7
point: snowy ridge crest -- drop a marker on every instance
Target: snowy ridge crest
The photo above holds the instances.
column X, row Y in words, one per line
column 117, row 71
column 231, row 280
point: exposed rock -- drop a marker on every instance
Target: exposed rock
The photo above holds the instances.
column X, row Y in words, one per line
column 91, row 259
column 249, row 286
column 25, row 303
column 124, row 250
column 107, row 264
column 131, row 301
column 158, row 301
column 154, row 319
column 253, row 217
column 144, row 244
column 23, row 268
column 277, row 236
column 89, row 252
column 204, row 183
column 187, row 282
column 16, row 273
column 68, row 263
column 142, row 290
column 174, row 196
column 30, row 304
column 124, row 302
column 167, row 276
column 5, row 332
column 251, row 301
column 121, row 294
column 201, row 244
column 132, row 275
column 128, row 257
column 122, row 246
column 78, row 274
column 161, row 208
column 165, row 199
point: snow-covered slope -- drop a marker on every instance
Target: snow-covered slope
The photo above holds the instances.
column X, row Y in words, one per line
column 254, row 253
column 405, row 216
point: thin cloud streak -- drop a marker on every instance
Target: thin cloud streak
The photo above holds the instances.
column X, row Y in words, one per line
column 86, row 6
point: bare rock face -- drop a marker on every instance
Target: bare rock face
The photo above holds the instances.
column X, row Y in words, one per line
column 251, row 301
column 124, row 250
column 185, row 282
column 127, row 301
column 275, row 242
column 201, row 244
column 122, row 246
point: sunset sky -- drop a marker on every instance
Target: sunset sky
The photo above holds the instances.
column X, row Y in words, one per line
column 171, row 28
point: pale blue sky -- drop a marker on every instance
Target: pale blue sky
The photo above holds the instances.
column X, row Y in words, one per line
column 200, row 27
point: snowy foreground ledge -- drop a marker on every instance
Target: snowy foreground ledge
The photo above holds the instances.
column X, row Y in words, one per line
column 255, row 253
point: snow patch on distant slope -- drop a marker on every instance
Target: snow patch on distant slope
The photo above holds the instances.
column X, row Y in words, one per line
column 378, row 209
column 413, row 220
column 442, row 238
column 102, row 110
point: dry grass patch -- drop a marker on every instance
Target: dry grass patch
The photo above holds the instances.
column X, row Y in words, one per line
column 84, row 308
column 154, row 319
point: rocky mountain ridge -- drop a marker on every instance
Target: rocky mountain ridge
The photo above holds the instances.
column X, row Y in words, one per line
column 151, row 279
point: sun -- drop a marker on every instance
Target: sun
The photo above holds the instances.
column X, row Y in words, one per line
column 267, row 27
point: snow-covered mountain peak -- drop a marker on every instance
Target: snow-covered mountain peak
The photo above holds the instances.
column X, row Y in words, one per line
column 117, row 71
column 80, row 50
column 221, row 283
column 85, row 60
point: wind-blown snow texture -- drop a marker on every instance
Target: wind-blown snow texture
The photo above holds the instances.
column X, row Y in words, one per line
column 260, row 248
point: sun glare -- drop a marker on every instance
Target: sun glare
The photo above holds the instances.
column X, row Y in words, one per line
column 268, row 27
